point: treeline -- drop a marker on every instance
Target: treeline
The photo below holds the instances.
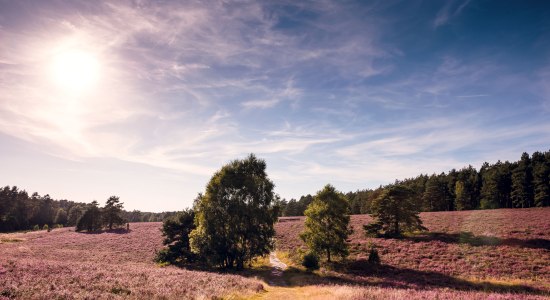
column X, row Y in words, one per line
column 19, row 211
column 520, row 184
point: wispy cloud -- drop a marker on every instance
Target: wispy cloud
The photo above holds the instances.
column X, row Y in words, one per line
column 332, row 92
column 450, row 10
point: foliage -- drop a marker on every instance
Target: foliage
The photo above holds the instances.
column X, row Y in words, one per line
column 46, row 227
column 311, row 261
column 505, row 245
column 374, row 257
column 112, row 213
column 91, row 219
column 326, row 225
column 21, row 211
column 235, row 216
column 175, row 231
column 526, row 181
column 75, row 212
column 394, row 213
column 541, row 178
column 522, row 183
column 61, row 216
column 36, row 227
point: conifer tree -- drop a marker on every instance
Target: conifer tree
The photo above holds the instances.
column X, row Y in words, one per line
column 394, row 213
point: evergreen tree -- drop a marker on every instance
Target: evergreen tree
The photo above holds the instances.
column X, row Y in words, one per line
column 91, row 219
column 175, row 231
column 291, row 208
column 522, row 183
column 394, row 212
column 541, row 178
column 436, row 196
column 112, row 212
column 326, row 225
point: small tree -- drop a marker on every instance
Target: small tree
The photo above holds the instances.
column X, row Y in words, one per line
column 394, row 212
column 327, row 222
column 112, row 212
column 176, row 232
column 91, row 219
column 235, row 216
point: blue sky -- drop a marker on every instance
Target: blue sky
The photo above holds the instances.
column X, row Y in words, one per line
column 146, row 99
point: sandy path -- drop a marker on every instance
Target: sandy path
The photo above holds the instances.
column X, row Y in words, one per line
column 277, row 270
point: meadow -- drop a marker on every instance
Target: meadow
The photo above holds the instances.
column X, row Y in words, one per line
column 482, row 252
column 495, row 254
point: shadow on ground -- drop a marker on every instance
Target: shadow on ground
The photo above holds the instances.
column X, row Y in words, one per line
column 479, row 240
column 363, row 273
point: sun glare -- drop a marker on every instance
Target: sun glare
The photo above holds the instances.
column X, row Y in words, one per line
column 75, row 71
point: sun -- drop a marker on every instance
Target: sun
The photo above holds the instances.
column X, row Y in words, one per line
column 75, row 71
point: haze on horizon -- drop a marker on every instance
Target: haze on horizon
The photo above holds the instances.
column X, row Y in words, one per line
column 146, row 99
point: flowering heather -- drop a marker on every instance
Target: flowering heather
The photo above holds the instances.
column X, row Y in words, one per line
column 492, row 254
column 504, row 250
column 63, row 264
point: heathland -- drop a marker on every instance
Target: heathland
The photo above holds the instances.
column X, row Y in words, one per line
column 501, row 254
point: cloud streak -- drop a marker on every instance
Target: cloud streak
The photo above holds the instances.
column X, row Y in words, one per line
column 330, row 92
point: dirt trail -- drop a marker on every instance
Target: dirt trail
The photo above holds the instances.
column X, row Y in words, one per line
column 277, row 270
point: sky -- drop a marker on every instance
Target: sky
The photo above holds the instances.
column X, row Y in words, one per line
column 147, row 99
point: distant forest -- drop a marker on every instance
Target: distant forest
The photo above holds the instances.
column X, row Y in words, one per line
column 19, row 211
column 521, row 184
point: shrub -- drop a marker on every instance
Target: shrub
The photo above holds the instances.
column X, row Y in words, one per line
column 46, row 227
column 311, row 261
column 36, row 227
column 374, row 257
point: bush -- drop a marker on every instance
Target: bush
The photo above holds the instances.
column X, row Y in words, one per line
column 311, row 261
column 374, row 258
column 373, row 229
column 46, row 227
column 36, row 228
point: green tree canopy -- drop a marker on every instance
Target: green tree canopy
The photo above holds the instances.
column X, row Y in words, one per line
column 235, row 216
column 112, row 212
column 326, row 225
column 91, row 219
column 175, row 231
column 394, row 212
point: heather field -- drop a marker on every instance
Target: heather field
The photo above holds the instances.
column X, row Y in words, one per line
column 495, row 254
column 63, row 264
